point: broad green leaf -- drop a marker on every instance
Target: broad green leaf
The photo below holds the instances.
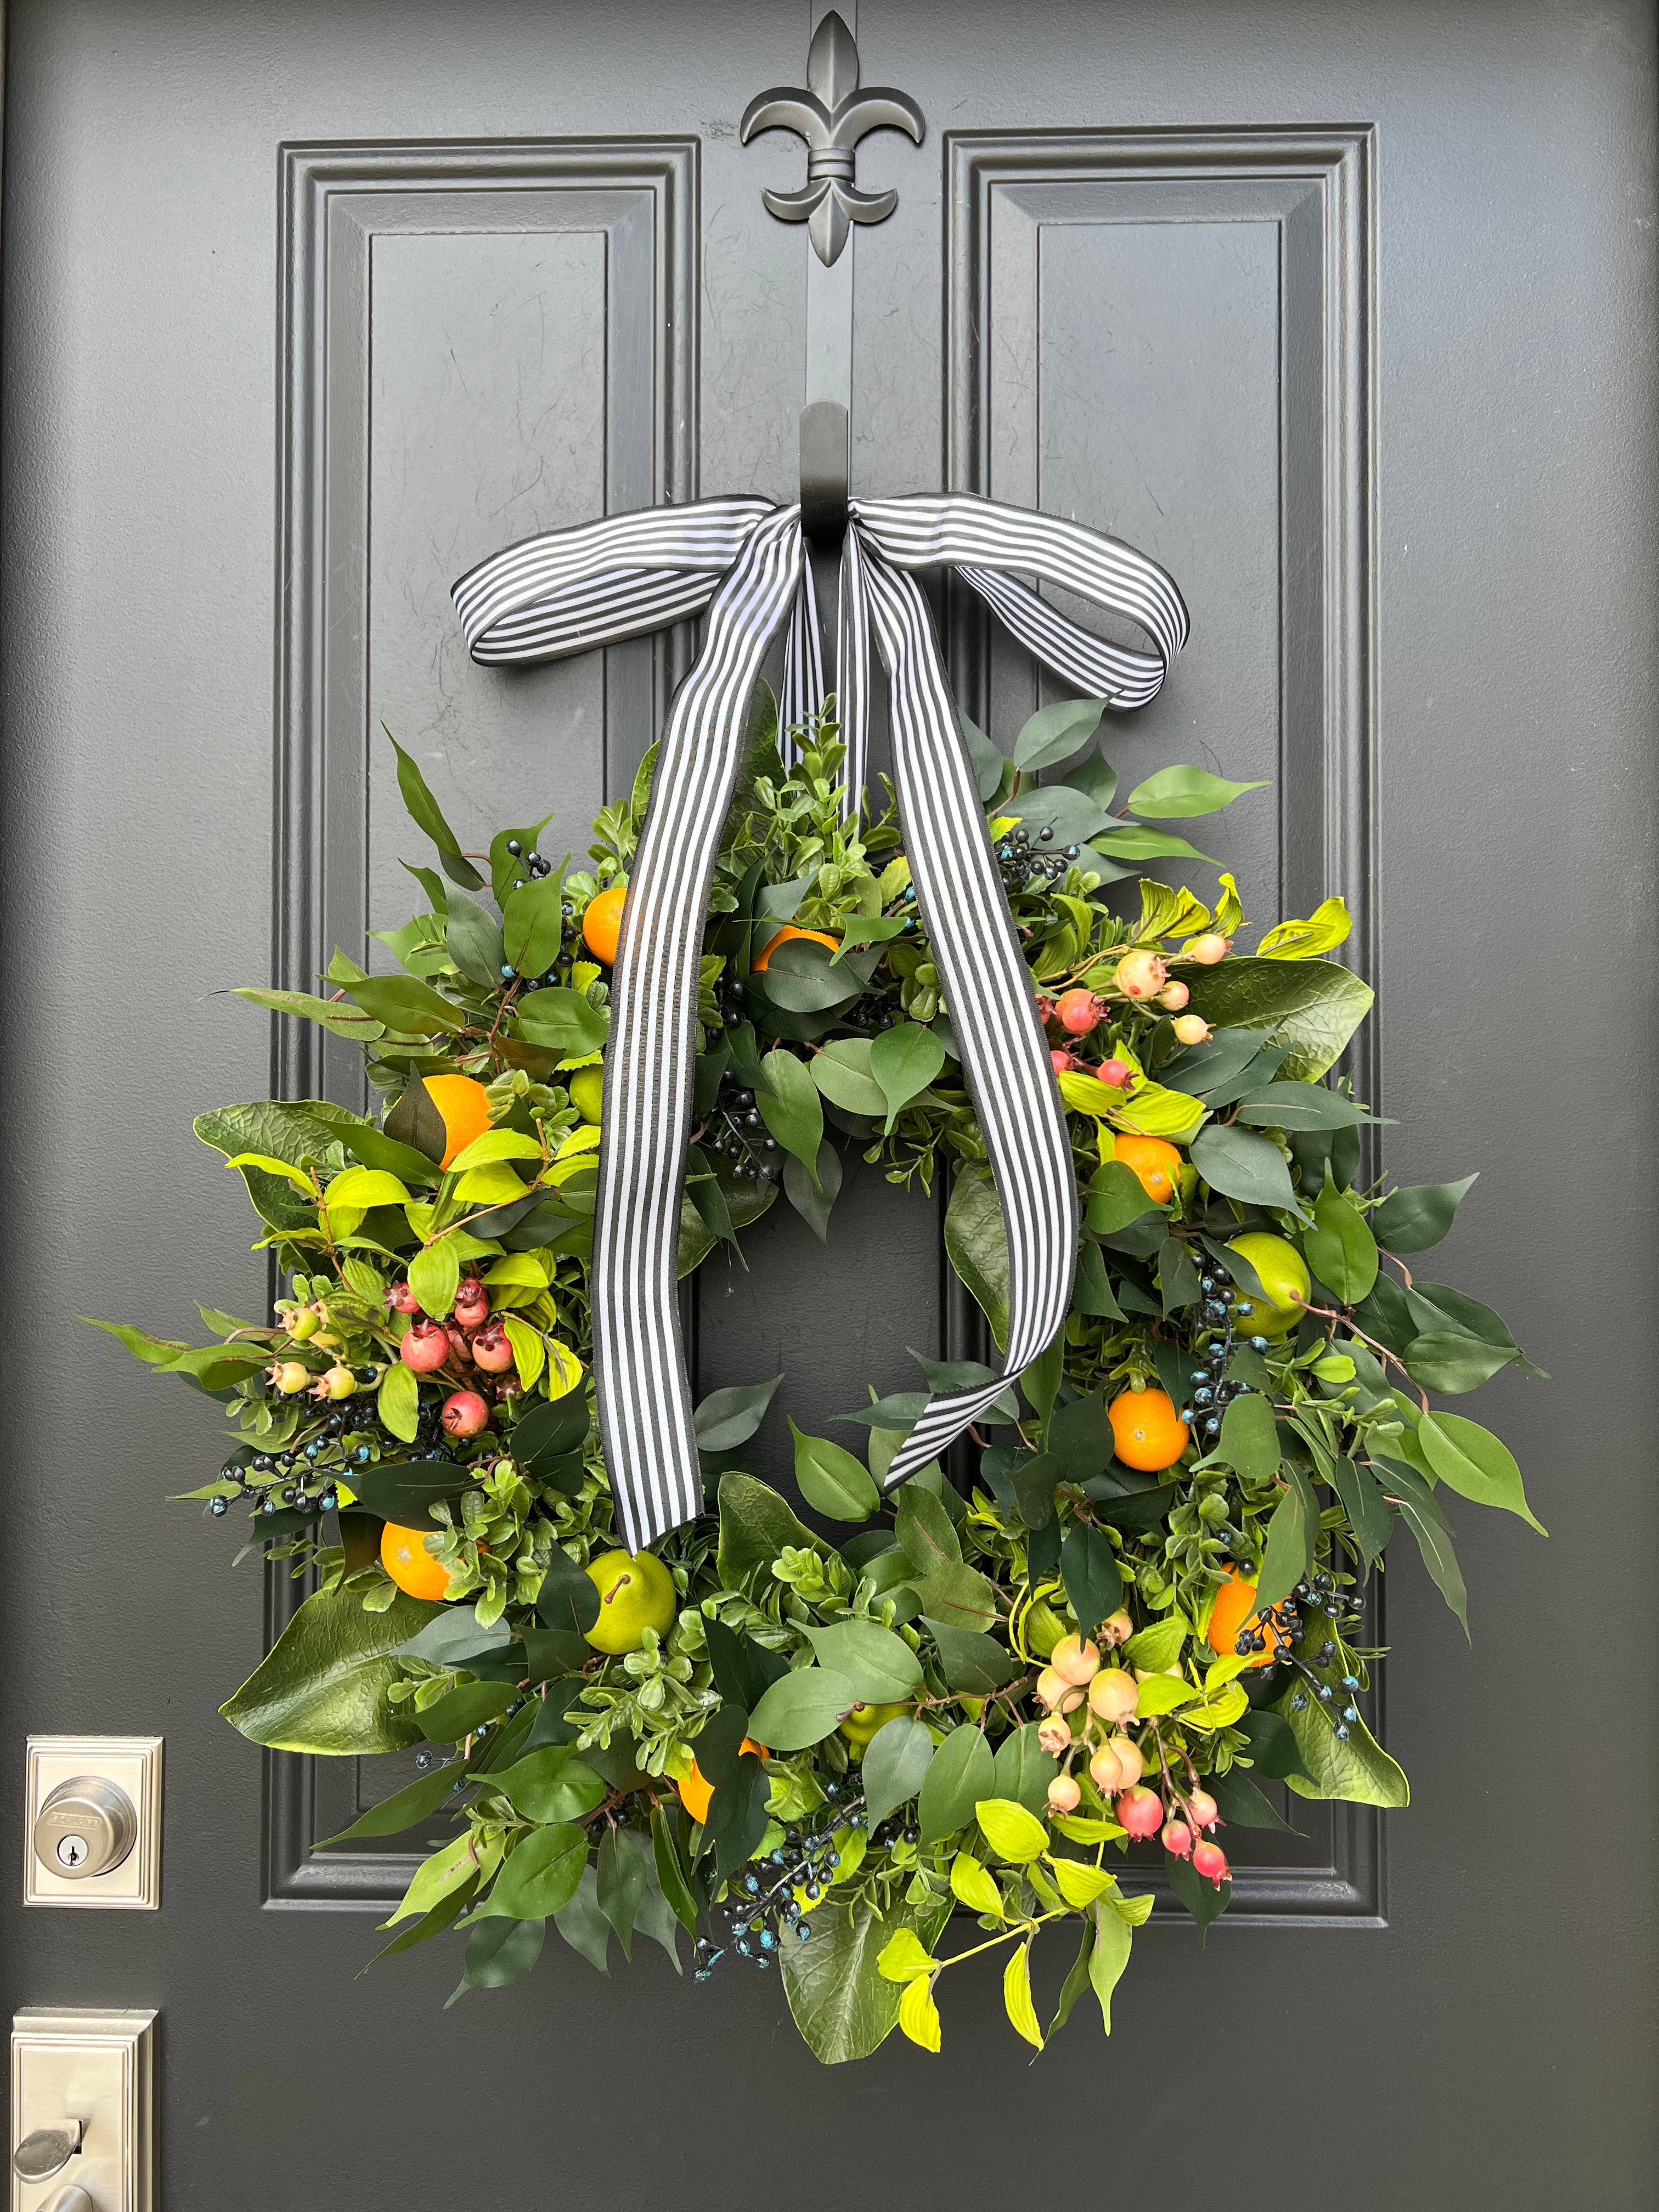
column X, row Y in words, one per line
column 621, row 1875
column 1088, row 1565
column 842, row 1071
column 832, row 1480
column 407, row 1808
column 1311, row 1007
column 1076, row 1981
column 802, row 1709
column 1176, row 794
column 474, row 941
column 1135, row 843
column 1070, row 815
column 1443, row 1360
column 541, row 1873
column 1362, row 1502
column 322, row 1686
column 879, row 1664
column 1017, row 1994
column 1023, row 1770
column 1421, row 1513
column 460, row 1711
column 926, row 1532
column 977, row 1245
column 1013, row 1833
column 1117, row 1197
column 1341, row 1249
column 292, row 1132
column 894, row 1766
column 1249, row 1439
column 842, row 2005
column 1154, row 1649
column 1108, row 1957
column 974, row 1888
column 532, row 923
column 987, row 761
column 904, row 1060
column 1413, row 1219
column 1325, row 929
column 406, row 1004
column 1291, row 1106
column 972, row 1661
column 498, row 1953
column 757, row 1527
column 1078, row 1883
column 551, row 1784
column 399, row 1401
column 425, row 812
column 726, row 1418
column 1288, row 1554
column 435, row 1276
column 961, row 1773
column 1055, row 734
column 1471, row 1461
column 814, row 1192
column 918, row 2015
column 1239, row 1164
column 789, row 1106
column 560, row 1019
column 436, row 1877
column 1359, row 1771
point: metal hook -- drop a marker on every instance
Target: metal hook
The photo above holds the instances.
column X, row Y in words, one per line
column 824, row 441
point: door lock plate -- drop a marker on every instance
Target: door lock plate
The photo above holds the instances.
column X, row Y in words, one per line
column 90, row 2073
column 92, row 1826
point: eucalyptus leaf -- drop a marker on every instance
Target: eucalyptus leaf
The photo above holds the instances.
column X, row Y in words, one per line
column 894, row 1766
column 1241, row 1164
column 726, row 1418
column 963, row 1772
column 802, row 1709
column 1176, row 794
column 1413, row 1219
column 832, row 1480
column 1055, row 734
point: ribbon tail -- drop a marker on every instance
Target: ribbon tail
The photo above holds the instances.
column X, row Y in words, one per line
column 853, row 672
column 639, row 1363
column 988, row 988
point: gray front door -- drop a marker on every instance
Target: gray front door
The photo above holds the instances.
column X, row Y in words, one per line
column 1345, row 316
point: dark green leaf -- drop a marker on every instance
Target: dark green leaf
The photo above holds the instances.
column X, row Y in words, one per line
column 961, row 1773
column 474, row 938
column 1420, row 1512
column 737, row 1816
column 322, row 1686
column 1311, row 1007
column 1055, row 734
column 1023, row 1770
column 1243, row 1805
column 1300, row 1106
column 877, row 1663
column 582, row 1925
column 532, row 925
column 671, row 1870
column 1249, row 1439
column 621, row 1875
column 1453, row 1363
column 969, row 1662
column 499, row 1952
column 569, row 1600
column 895, row 1766
column 1205, row 1900
column 904, row 1060
column 1094, row 1586
column 1413, row 1219
column 842, row 2005
column 926, row 1532
column 1241, row 1164
column 744, row 1670
column 977, row 1246
column 1273, row 1746
column 726, row 1418
column 540, row 1874
column 789, row 1105
column 1091, row 1291
column 402, row 1490
column 426, row 814
column 1288, row 1553
column 415, row 1120
column 1341, row 1249
column 1473, row 1462
column 755, row 1527
column 460, row 1712
column 802, row 1709
column 1362, row 1501
column 406, row 1004
column 986, row 760
column 507, row 868
column 813, row 1199
column 409, row 1806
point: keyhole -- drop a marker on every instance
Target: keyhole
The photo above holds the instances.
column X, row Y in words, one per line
column 71, row 1850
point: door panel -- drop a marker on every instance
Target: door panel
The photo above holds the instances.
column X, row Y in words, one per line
column 1349, row 320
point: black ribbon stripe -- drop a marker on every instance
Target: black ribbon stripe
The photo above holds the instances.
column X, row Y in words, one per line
column 745, row 564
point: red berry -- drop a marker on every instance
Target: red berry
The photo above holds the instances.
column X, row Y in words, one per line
column 1140, row 1812
column 1202, row 1809
column 1062, row 1061
column 465, row 1413
column 1079, row 1011
column 1210, row 1861
column 1178, row 1838
column 402, row 1299
column 1117, row 1073
column 472, row 1303
column 492, row 1349
column 425, row 1346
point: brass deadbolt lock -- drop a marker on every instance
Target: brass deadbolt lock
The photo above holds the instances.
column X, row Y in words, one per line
column 86, row 1826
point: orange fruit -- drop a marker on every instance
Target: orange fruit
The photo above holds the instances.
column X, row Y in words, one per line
column 465, row 1106
column 1156, row 1164
column 410, row 1565
column 1147, row 1433
column 789, row 930
column 696, row 1789
column 1230, row 1616
column 602, row 924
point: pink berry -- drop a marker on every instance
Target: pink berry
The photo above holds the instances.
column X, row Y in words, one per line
column 472, row 1303
column 1141, row 975
column 465, row 1413
column 1062, row 1062
column 1178, row 1838
column 1078, row 1011
column 1055, row 1734
column 1210, row 1861
column 425, row 1346
column 1106, row 1771
column 1140, row 1812
column 402, row 1299
column 1064, row 1795
column 1174, row 996
column 1207, row 950
column 1075, row 1659
column 1113, row 1695
column 1118, row 1629
column 1056, row 1694
column 492, row 1348
column 1117, row 1073
column 1130, row 1764
column 1202, row 1809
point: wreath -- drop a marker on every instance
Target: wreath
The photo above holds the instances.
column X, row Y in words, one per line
column 807, row 1741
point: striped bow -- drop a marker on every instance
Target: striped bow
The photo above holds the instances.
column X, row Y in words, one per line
column 742, row 563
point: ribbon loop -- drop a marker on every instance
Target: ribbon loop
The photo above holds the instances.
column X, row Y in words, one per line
column 745, row 563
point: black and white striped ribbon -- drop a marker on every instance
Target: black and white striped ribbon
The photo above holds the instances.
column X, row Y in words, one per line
column 743, row 563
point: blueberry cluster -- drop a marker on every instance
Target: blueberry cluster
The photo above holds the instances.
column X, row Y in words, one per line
column 764, row 1902
column 736, row 1129
column 1020, row 860
column 1320, row 1594
column 1212, row 1390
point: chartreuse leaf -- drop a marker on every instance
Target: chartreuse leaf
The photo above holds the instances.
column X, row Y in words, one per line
column 1013, row 1833
column 425, row 812
column 1162, row 1693
column 832, row 1480
column 1078, row 1883
column 322, row 1686
column 789, row 1105
column 918, row 2015
column 1471, row 1461
column 435, row 1276
column 1176, row 794
column 974, row 1886
column 1323, row 930
column 435, row 1878
column 842, row 2003
column 1017, row 1994
column 903, row 1957
column 399, row 1401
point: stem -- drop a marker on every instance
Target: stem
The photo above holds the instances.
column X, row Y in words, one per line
column 1020, row 1928
column 1330, row 1313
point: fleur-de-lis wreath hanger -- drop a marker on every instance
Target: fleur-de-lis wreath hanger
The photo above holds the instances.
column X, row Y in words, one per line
column 831, row 114
column 742, row 564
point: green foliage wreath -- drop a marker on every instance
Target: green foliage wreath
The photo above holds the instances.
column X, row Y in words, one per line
column 1140, row 1600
